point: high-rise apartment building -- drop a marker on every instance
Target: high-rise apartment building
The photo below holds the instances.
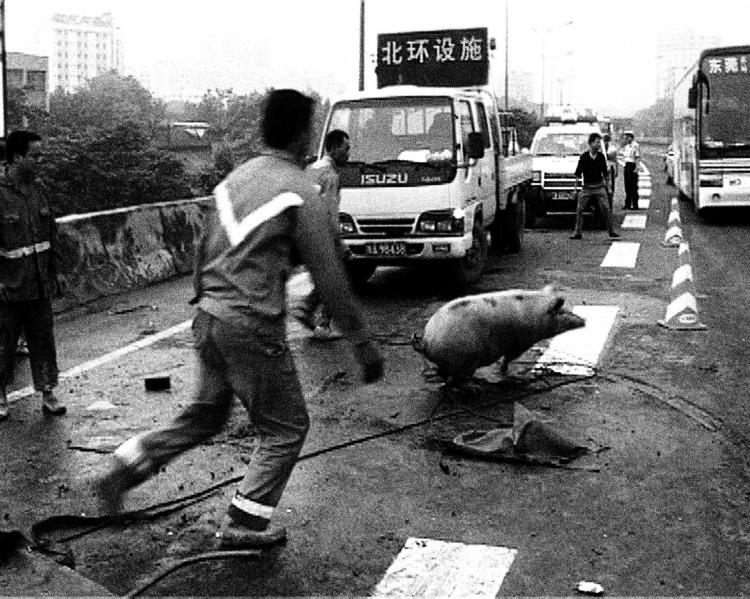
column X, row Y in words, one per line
column 83, row 47
column 676, row 51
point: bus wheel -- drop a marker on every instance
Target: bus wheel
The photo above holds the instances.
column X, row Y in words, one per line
column 468, row 270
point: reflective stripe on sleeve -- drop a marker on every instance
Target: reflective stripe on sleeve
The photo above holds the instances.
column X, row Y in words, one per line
column 25, row 251
column 252, row 508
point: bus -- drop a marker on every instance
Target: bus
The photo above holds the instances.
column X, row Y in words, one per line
column 711, row 129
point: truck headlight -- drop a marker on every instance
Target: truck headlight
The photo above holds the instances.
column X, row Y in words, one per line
column 442, row 222
column 346, row 224
column 536, row 176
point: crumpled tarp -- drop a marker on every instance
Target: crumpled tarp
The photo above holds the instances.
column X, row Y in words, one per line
column 527, row 441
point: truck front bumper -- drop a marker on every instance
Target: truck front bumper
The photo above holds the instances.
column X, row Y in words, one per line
column 405, row 250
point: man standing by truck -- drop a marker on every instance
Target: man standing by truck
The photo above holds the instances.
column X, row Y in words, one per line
column 311, row 312
column 592, row 165
column 268, row 214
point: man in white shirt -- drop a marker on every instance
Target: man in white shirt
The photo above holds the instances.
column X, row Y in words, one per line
column 631, row 154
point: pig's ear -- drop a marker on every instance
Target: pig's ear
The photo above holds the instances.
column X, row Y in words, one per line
column 556, row 304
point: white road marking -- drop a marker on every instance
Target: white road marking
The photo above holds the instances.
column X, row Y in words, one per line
column 634, row 221
column 644, row 193
column 621, row 254
column 576, row 353
column 443, row 570
column 644, row 204
column 113, row 355
column 299, row 284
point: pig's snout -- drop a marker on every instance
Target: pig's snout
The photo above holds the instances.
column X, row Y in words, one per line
column 566, row 320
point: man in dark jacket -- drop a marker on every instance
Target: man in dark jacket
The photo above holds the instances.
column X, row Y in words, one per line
column 27, row 272
column 268, row 217
column 592, row 166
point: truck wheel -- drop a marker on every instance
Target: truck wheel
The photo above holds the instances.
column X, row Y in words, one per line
column 514, row 221
column 530, row 208
column 359, row 273
column 468, row 270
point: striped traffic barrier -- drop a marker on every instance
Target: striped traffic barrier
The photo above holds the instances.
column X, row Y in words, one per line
column 673, row 237
column 682, row 311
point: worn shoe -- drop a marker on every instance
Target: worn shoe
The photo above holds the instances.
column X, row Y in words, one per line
column 51, row 405
column 614, row 235
column 325, row 333
column 304, row 317
column 233, row 535
column 576, row 236
column 111, row 487
column 4, row 408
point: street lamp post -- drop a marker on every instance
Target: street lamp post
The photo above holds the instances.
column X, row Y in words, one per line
column 362, row 45
column 545, row 31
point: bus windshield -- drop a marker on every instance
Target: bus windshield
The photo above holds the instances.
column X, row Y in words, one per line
column 726, row 104
column 560, row 144
column 409, row 129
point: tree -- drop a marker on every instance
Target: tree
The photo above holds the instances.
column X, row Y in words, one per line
column 656, row 120
column 22, row 115
column 526, row 125
column 106, row 101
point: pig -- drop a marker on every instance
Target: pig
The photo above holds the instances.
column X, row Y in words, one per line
column 477, row 330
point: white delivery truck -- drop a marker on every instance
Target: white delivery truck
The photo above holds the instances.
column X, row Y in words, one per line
column 427, row 176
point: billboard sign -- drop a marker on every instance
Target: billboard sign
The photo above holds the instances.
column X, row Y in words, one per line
column 444, row 58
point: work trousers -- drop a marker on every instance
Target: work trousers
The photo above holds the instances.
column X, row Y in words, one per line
column 589, row 194
column 34, row 318
column 261, row 373
column 630, row 179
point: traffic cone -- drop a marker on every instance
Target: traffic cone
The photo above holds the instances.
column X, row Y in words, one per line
column 682, row 312
column 673, row 237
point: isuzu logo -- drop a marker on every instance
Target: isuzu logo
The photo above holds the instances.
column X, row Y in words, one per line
column 385, row 179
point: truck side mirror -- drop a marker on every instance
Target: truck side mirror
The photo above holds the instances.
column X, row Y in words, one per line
column 475, row 145
column 692, row 97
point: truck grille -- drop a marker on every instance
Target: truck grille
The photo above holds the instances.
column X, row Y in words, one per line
column 386, row 227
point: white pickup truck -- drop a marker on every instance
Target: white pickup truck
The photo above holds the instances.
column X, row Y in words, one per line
column 433, row 173
column 555, row 150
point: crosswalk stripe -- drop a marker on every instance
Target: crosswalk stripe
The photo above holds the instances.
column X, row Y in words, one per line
column 634, row 221
column 644, row 203
column 441, row 569
column 577, row 352
column 644, row 193
column 621, row 254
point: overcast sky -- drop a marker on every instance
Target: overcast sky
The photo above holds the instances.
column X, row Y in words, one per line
column 605, row 59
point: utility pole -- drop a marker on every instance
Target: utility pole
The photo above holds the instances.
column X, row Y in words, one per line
column 3, row 79
column 506, row 55
column 361, row 45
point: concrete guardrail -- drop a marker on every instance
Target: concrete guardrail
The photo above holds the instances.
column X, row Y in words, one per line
column 105, row 253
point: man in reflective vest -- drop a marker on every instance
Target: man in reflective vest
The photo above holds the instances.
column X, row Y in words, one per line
column 27, row 272
column 269, row 217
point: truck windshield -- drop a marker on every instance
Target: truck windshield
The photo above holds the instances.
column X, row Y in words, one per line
column 409, row 129
column 560, row 144
column 726, row 106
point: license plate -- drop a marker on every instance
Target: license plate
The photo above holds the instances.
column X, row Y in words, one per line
column 563, row 195
column 386, row 249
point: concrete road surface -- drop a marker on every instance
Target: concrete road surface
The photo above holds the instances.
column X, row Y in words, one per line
column 658, row 507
